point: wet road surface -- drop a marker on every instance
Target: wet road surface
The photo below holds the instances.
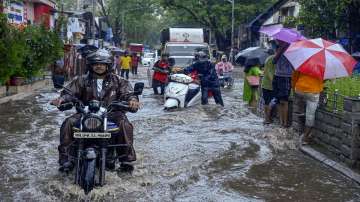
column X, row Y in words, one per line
column 204, row 153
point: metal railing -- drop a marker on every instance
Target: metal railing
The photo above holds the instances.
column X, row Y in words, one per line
column 332, row 101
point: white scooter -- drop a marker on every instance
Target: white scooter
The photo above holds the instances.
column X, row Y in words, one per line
column 181, row 92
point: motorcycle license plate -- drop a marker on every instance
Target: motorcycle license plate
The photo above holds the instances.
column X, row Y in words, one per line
column 92, row 135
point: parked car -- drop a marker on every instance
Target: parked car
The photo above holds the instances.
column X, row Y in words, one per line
column 148, row 58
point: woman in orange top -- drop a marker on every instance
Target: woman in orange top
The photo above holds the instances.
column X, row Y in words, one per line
column 307, row 91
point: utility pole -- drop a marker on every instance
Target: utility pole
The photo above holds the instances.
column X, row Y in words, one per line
column 232, row 28
column 123, row 22
column 122, row 27
column 93, row 21
column 77, row 5
column 232, row 23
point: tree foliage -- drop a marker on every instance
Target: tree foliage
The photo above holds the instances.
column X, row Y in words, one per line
column 324, row 18
column 42, row 48
column 144, row 20
column 138, row 18
column 26, row 52
column 12, row 50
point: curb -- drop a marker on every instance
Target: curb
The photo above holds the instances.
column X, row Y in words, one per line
column 18, row 96
column 330, row 163
column 21, row 95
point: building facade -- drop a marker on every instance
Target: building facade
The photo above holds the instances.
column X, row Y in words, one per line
column 30, row 12
column 276, row 15
column 289, row 9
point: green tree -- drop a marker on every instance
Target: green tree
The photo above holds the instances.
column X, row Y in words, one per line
column 42, row 48
column 140, row 19
column 324, row 18
column 12, row 50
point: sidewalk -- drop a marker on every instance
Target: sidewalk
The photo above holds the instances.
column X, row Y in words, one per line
column 331, row 163
column 21, row 92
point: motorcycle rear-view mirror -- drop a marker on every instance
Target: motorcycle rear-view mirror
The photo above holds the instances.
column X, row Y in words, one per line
column 138, row 88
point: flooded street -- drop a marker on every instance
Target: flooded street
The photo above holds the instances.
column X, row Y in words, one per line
column 204, row 153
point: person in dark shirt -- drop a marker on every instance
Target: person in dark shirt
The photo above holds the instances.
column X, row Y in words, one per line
column 209, row 80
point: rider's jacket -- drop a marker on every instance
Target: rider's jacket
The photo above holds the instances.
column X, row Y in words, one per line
column 161, row 75
column 87, row 88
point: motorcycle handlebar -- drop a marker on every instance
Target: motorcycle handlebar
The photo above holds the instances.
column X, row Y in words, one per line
column 66, row 106
column 122, row 106
column 69, row 105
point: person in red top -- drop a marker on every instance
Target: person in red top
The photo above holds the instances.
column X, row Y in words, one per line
column 161, row 70
column 135, row 59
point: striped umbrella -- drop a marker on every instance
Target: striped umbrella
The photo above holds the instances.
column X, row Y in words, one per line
column 320, row 58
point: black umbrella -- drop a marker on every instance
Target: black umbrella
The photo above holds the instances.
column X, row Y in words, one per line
column 241, row 60
column 87, row 49
column 252, row 56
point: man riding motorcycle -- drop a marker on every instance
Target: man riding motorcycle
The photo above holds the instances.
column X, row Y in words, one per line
column 102, row 85
column 209, row 80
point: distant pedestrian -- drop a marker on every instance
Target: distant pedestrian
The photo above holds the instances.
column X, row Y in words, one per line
column 307, row 93
column 115, row 67
column 135, row 59
column 267, row 88
column 58, row 73
column 125, row 64
column 282, row 82
column 161, row 72
column 251, row 84
column 224, row 66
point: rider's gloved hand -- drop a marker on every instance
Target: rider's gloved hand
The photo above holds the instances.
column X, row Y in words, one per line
column 134, row 104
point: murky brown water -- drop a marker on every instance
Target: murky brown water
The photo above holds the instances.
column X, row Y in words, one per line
column 197, row 154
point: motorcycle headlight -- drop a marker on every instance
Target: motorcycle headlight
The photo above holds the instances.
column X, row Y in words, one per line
column 92, row 123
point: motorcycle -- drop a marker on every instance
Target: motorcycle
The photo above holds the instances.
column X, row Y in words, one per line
column 182, row 91
column 226, row 80
column 94, row 146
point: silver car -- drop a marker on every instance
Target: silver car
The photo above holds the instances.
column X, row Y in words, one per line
column 147, row 59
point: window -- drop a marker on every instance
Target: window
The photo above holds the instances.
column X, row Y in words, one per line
column 288, row 11
column 291, row 11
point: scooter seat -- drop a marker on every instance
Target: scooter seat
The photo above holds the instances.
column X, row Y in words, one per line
column 193, row 86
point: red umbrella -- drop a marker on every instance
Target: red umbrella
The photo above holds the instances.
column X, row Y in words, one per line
column 320, row 58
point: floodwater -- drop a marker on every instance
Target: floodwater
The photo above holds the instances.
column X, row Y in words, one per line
column 204, row 153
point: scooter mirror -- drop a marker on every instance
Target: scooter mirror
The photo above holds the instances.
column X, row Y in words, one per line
column 138, row 88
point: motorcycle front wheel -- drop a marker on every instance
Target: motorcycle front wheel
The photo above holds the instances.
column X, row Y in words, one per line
column 88, row 175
